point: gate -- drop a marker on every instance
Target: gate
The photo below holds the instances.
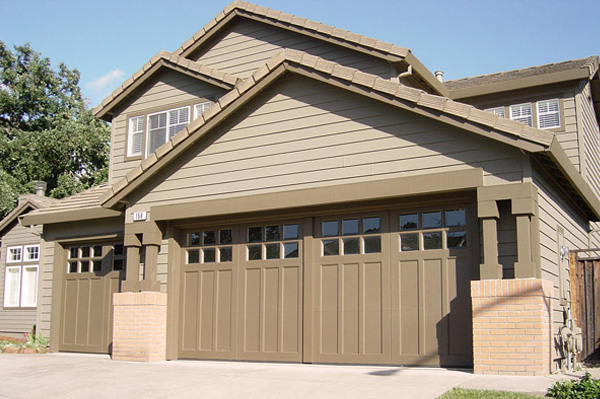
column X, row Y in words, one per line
column 586, row 305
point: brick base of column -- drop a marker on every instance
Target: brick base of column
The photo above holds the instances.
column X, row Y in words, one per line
column 139, row 326
column 512, row 326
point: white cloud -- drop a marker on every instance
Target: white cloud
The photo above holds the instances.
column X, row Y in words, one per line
column 106, row 81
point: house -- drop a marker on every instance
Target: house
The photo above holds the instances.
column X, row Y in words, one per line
column 282, row 190
column 20, row 257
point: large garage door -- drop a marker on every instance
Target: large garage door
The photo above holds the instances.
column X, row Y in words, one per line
column 242, row 293
column 94, row 273
column 384, row 287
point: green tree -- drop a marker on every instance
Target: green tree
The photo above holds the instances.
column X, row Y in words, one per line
column 46, row 131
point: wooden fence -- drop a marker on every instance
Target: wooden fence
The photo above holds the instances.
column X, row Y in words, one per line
column 585, row 304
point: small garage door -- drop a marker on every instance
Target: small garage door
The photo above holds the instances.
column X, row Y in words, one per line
column 385, row 287
column 94, row 273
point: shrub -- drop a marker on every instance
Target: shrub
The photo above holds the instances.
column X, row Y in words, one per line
column 584, row 388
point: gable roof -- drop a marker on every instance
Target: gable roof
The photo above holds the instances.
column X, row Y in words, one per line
column 583, row 68
column 376, row 48
column 439, row 108
column 82, row 206
column 163, row 60
column 26, row 203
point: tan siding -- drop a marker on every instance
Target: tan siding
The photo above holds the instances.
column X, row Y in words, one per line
column 65, row 232
column 555, row 213
column 307, row 135
column 16, row 321
column 168, row 90
column 247, row 45
column 589, row 136
column 568, row 138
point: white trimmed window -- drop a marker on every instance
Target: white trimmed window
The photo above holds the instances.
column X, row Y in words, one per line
column 548, row 114
column 136, row 136
column 497, row 111
column 21, row 281
column 14, row 254
column 522, row 113
column 199, row 109
column 32, row 253
column 12, row 286
column 164, row 125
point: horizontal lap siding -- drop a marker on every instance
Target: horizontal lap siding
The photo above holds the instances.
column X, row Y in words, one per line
column 16, row 321
column 568, row 139
column 555, row 212
column 167, row 91
column 307, row 134
column 247, row 45
column 589, row 135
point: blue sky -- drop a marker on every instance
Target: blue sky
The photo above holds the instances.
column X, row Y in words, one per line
column 108, row 40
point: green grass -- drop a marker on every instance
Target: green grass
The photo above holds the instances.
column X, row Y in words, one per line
column 458, row 393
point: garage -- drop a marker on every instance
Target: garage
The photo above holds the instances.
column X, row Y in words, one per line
column 93, row 273
column 384, row 286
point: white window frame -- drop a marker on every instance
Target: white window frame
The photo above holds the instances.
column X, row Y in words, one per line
column 203, row 107
column 540, row 114
column 521, row 117
column 500, row 111
column 7, row 288
column 131, row 132
column 9, row 257
column 168, row 125
column 24, row 294
column 26, row 257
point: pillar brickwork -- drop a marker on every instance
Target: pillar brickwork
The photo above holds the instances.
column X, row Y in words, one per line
column 512, row 326
column 139, row 326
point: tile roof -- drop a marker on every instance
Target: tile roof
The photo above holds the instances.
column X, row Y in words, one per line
column 323, row 30
column 166, row 59
column 417, row 97
column 501, row 77
column 25, row 202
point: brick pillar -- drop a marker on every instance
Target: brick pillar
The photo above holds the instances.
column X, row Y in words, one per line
column 512, row 326
column 139, row 326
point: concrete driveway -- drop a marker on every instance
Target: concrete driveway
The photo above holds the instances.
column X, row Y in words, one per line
column 96, row 376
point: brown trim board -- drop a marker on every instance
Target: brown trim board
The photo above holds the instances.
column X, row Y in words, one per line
column 72, row 215
column 379, row 189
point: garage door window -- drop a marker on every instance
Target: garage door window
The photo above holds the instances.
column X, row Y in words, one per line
column 358, row 236
column 273, row 241
column 433, row 230
column 90, row 258
column 212, row 246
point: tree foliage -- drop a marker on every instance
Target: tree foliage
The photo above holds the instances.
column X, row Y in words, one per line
column 46, row 131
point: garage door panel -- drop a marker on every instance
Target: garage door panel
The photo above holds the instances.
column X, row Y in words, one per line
column 207, row 309
column 372, row 323
column 271, row 288
column 190, row 310
column 69, row 312
column 406, row 317
column 97, row 306
column 224, row 310
column 349, row 312
column 432, row 306
column 83, row 313
column 328, row 310
column 290, row 324
column 251, row 313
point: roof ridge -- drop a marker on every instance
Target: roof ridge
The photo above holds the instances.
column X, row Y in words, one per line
column 303, row 23
column 335, row 70
column 551, row 64
column 166, row 57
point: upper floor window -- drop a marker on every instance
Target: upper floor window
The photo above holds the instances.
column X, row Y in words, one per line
column 148, row 132
column 548, row 114
column 542, row 114
column 522, row 113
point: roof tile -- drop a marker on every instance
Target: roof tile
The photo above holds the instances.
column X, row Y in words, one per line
column 385, row 86
column 285, row 17
column 309, row 60
column 367, row 41
column 274, row 14
column 119, row 185
column 458, row 109
column 343, row 72
column 364, row 79
column 312, row 25
column 431, row 101
column 383, row 46
column 199, row 34
column 486, row 118
column 211, row 111
column 325, row 29
column 180, row 136
column 293, row 55
column 134, row 173
column 339, row 33
column 352, row 37
column 163, row 149
column 149, row 161
column 408, row 93
column 276, row 60
column 298, row 21
column 506, row 124
column 228, row 98
column 537, row 134
column 325, row 66
column 260, row 72
column 245, row 85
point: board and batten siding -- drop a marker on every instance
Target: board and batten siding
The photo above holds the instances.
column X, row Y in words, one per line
column 302, row 134
column 15, row 322
column 168, row 90
column 69, row 233
column 557, row 218
column 247, row 45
